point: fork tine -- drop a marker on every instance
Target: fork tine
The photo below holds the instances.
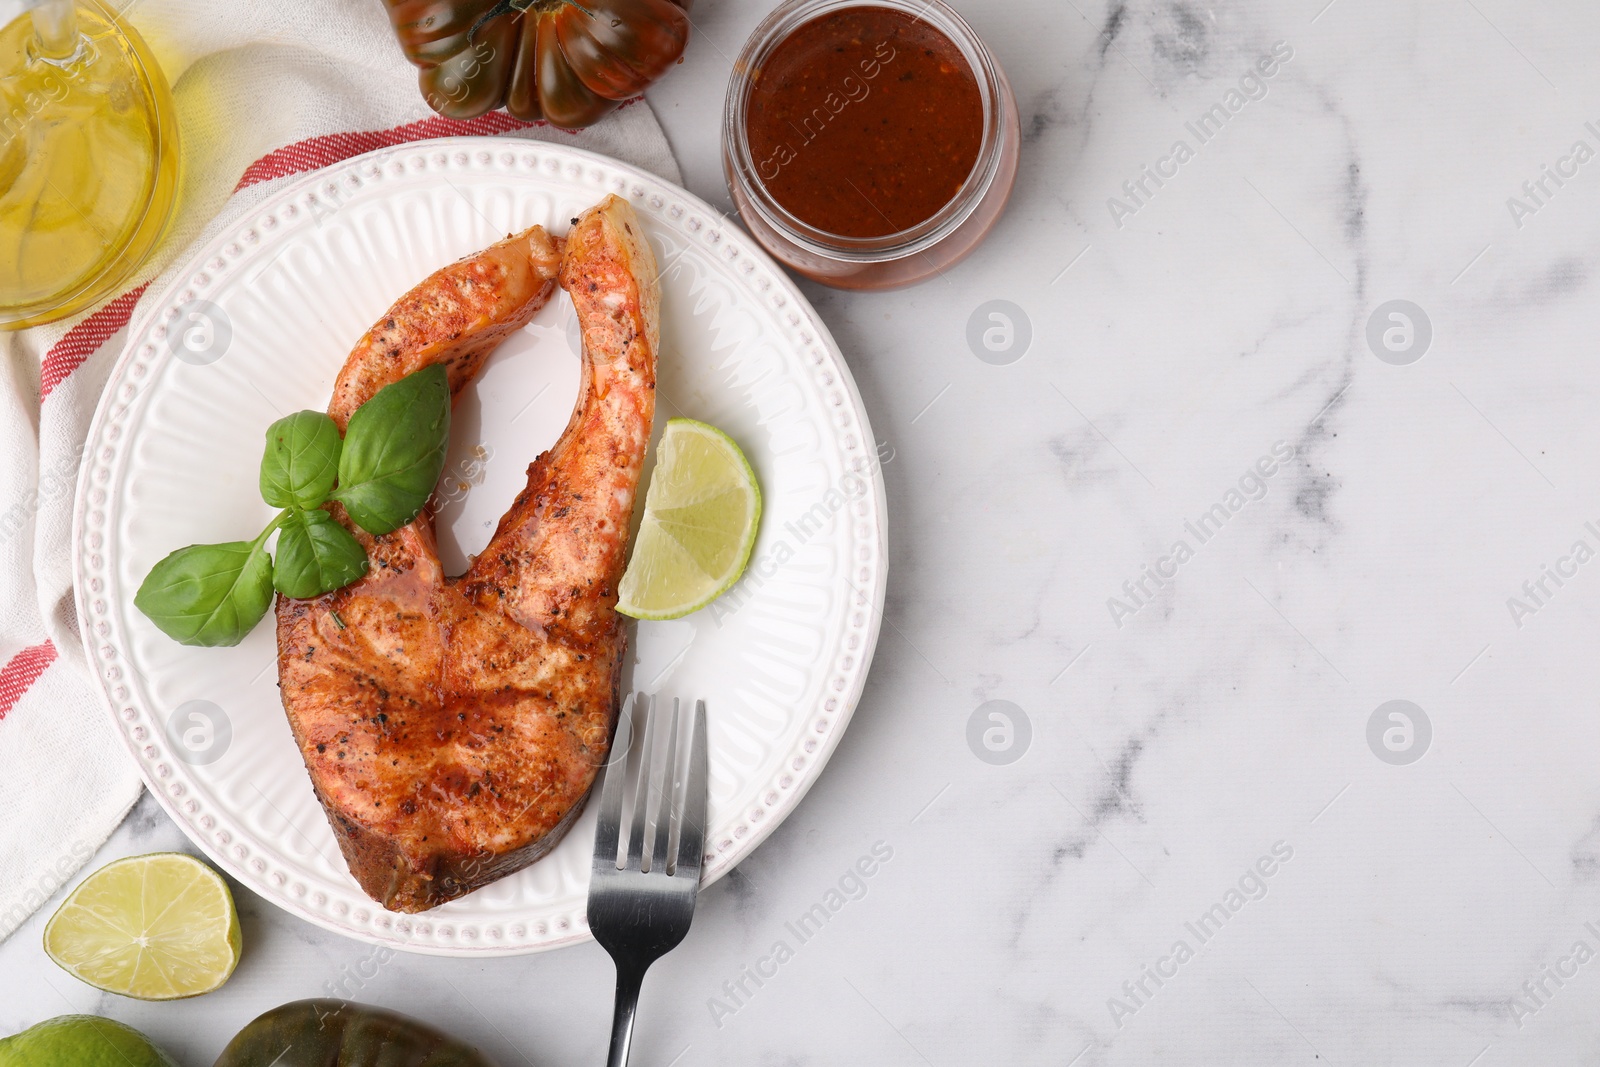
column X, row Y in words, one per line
column 692, row 830
column 669, row 798
column 641, row 792
column 610, row 820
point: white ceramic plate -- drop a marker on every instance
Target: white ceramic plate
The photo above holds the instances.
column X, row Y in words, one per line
column 172, row 458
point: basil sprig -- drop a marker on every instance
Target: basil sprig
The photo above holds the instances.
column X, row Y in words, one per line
column 383, row 472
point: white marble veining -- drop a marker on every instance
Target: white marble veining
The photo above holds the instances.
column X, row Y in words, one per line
column 1191, row 736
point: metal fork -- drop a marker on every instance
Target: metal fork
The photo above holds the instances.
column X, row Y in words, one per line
column 638, row 913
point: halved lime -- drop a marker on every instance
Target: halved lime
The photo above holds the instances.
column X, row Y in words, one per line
column 700, row 519
column 155, row 927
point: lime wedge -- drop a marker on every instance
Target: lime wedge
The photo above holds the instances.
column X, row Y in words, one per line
column 155, row 927
column 700, row 518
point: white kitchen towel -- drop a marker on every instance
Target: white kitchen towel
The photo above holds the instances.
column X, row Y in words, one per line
column 264, row 92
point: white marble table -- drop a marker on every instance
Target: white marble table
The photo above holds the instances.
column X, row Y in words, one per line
column 1188, row 732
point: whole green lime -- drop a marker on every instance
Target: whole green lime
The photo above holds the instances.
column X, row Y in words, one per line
column 81, row 1041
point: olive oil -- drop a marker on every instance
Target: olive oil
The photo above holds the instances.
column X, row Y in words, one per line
column 88, row 163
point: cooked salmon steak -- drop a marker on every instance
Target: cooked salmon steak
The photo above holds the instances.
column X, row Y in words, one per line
column 453, row 726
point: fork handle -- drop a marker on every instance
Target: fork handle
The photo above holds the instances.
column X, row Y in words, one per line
column 629, row 979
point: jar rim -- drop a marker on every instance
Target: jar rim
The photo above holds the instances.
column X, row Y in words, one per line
column 740, row 161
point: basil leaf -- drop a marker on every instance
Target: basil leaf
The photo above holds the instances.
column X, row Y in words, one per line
column 316, row 555
column 301, row 461
column 209, row 594
column 394, row 449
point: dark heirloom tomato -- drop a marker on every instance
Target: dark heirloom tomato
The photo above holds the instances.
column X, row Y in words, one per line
column 337, row 1033
column 568, row 61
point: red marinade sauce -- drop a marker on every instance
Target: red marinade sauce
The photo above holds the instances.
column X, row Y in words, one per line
column 864, row 122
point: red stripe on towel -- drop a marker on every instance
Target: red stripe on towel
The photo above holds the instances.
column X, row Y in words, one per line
column 18, row 676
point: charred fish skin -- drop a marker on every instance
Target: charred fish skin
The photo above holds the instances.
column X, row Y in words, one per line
column 456, row 316
column 453, row 727
column 568, row 529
